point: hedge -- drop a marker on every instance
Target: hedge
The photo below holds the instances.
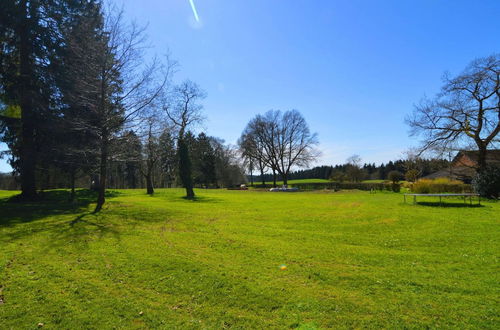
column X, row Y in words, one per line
column 439, row 185
column 336, row 186
column 367, row 186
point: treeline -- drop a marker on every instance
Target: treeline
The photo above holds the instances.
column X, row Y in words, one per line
column 367, row 171
column 82, row 105
column 214, row 165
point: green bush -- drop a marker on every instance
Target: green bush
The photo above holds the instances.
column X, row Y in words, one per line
column 487, row 183
column 412, row 175
column 439, row 185
column 395, row 176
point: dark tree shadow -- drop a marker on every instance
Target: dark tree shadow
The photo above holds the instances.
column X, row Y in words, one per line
column 202, row 199
column 53, row 202
column 76, row 224
column 451, row 204
column 81, row 230
column 195, row 199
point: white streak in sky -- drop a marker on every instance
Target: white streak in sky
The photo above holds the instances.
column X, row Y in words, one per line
column 195, row 13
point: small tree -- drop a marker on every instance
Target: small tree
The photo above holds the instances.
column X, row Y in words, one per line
column 152, row 153
column 338, row 176
column 185, row 112
column 412, row 175
column 354, row 171
column 395, row 176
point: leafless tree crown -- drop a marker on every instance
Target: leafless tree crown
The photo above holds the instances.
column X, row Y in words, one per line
column 465, row 114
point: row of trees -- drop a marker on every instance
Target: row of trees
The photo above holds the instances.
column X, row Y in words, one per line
column 354, row 170
column 79, row 97
column 153, row 161
column 72, row 78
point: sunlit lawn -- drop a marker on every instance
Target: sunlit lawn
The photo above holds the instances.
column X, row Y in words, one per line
column 353, row 259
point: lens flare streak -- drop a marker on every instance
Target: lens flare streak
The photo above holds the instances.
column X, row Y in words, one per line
column 195, row 13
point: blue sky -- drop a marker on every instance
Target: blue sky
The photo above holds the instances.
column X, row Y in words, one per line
column 353, row 68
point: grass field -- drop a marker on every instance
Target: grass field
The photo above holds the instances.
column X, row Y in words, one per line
column 353, row 259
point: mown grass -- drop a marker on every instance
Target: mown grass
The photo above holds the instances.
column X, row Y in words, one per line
column 353, row 259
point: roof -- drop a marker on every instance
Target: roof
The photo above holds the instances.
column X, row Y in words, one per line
column 492, row 155
column 455, row 173
column 465, row 171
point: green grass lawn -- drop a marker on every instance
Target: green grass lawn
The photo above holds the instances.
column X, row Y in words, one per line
column 354, row 259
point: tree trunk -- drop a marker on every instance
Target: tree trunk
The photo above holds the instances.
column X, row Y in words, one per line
column 72, row 184
column 149, row 184
column 27, row 152
column 274, row 178
column 481, row 161
column 251, row 178
column 102, row 174
column 185, row 168
column 285, row 179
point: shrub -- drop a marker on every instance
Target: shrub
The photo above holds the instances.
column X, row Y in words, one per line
column 395, row 176
column 343, row 185
column 338, row 177
column 487, row 183
column 412, row 175
column 396, row 187
column 439, row 185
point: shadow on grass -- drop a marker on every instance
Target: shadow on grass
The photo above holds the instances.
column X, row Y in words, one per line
column 450, row 204
column 81, row 230
column 176, row 198
column 43, row 217
column 202, row 199
column 62, row 222
column 54, row 202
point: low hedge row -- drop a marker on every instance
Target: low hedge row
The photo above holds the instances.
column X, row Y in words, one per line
column 441, row 185
column 339, row 185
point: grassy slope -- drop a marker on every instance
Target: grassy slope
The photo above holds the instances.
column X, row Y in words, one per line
column 354, row 259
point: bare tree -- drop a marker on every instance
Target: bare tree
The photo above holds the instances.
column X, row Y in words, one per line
column 465, row 114
column 184, row 111
column 281, row 140
column 354, row 171
column 152, row 152
column 252, row 152
column 115, row 84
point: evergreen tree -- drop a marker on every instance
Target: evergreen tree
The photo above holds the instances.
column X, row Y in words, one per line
column 168, row 158
column 132, row 150
column 30, row 42
column 206, row 161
